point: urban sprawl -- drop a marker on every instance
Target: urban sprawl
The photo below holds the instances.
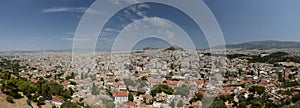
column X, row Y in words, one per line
column 153, row 78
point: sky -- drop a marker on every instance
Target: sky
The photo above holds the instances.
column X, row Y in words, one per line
column 51, row 24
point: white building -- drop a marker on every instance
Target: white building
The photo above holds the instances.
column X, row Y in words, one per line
column 120, row 97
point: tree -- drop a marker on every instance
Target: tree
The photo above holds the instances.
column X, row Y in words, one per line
column 172, row 66
column 180, row 103
column 71, row 91
column 218, row 104
column 144, row 78
column 45, row 91
column 56, row 89
column 41, row 101
column 257, row 104
column 257, row 89
column 109, row 93
column 15, row 68
column 69, row 104
column 93, row 77
column 182, row 90
column 35, row 97
column 162, row 88
column 73, row 83
column 130, row 97
column 242, row 105
column 141, row 83
column 94, row 90
column 116, row 80
column 108, row 103
column 82, row 76
column 290, row 84
column 172, row 104
column 296, row 98
column 196, row 97
column 129, row 82
column 66, row 94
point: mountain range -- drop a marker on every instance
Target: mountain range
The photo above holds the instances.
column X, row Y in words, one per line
column 269, row 44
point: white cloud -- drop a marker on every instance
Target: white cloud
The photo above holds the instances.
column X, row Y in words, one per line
column 143, row 5
column 152, row 26
column 71, row 9
column 111, row 30
column 65, row 9
column 158, row 22
column 124, row 2
column 86, row 39
column 136, row 9
column 170, row 34
column 131, row 1
column 80, row 37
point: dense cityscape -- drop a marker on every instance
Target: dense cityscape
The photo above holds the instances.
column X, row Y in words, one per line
column 149, row 54
column 173, row 77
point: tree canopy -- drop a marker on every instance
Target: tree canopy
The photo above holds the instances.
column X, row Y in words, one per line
column 162, row 88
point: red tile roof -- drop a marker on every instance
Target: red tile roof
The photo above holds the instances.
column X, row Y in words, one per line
column 34, row 80
column 65, row 83
column 169, row 82
column 129, row 104
column 56, row 99
column 260, row 85
column 121, row 94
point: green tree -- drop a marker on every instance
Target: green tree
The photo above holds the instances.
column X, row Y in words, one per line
column 144, row 78
column 45, row 91
column 73, row 83
column 15, row 68
column 55, row 88
column 66, row 94
column 172, row 104
column 182, row 90
column 180, row 103
column 94, row 90
column 82, row 76
column 93, row 77
column 69, row 104
column 41, row 101
column 296, row 98
column 130, row 97
column 162, row 88
column 108, row 103
column 257, row 104
column 218, row 104
column 196, row 97
column 129, row 82
column 257, row 89
column 242, row 105
column 71, row 91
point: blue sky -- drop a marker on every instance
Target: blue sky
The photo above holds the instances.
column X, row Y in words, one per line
column 50, row 24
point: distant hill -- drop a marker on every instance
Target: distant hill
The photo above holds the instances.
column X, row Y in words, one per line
column 265, row 45
column 150, row 48
column 174, row 47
